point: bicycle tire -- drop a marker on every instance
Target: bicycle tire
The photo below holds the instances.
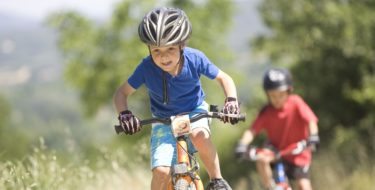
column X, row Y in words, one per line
column 183, row 184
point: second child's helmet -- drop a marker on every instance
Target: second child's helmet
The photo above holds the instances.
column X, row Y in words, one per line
column 164, row 27
column 277, row 79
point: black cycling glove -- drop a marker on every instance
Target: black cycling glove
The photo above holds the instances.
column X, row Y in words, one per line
column 230, row 107
column 313, row 141
column 129, row 123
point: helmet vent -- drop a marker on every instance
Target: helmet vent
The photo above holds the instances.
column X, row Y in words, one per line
column 167, row 32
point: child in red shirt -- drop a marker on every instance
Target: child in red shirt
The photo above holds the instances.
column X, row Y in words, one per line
column 286, row 120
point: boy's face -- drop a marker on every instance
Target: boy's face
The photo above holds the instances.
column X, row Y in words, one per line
column 166, row 57
column 277, row 98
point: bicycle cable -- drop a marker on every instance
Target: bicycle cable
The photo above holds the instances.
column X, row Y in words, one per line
column 190, row 155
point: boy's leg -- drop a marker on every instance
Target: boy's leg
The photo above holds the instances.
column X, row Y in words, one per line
column 162, row 155
column 207, row 152
column 200, row 137
column 264, row 169
column 160, row 178
column 300, row 174
column 303, row 184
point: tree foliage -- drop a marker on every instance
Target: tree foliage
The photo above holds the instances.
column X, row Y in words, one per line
column 100, row 56
column 329, row 46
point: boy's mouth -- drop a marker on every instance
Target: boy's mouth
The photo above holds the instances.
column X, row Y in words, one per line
column 166, row 63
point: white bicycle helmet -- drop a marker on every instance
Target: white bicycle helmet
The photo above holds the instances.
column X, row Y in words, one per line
column 164, row 27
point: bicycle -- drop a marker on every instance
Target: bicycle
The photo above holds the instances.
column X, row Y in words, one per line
column 278, row 170
column 184, row 174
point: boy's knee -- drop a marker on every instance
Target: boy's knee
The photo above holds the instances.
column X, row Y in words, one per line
column 161, row 172
column 263, row 163
column 304, row 184
column 200, row 133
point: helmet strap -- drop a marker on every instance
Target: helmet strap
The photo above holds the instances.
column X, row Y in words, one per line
column 180, row 60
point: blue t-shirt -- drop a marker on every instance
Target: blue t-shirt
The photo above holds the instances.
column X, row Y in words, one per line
column 184, row 91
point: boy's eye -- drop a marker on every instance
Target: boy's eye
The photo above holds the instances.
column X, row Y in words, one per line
column 155, row 51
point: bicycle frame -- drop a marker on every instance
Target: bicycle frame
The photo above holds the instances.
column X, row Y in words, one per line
column 184, row 174
column 278, row 171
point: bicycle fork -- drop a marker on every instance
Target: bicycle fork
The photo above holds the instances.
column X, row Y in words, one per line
column 184, row 176
column 280, row 177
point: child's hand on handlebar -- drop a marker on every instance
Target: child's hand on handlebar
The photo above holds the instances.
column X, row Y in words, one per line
column 129, row 123
column 313, row 141
column 240, row 151
column 230, row 107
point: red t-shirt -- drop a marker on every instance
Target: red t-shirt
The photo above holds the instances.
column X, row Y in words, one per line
column 286, row 126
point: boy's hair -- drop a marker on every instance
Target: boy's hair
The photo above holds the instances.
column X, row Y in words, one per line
column 165, row 26
column 277, row 79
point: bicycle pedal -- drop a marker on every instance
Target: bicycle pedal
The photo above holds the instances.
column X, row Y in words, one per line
column 180, row 168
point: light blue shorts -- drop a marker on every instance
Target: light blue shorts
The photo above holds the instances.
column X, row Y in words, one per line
column 163, row 143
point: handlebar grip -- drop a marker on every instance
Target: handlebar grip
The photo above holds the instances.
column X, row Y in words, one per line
column 118, row 129
column 242, row 117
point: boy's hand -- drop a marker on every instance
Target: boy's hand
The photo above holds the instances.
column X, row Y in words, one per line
column 313, row 141
column 129, row 123
column 230, row 107
column 240, row 150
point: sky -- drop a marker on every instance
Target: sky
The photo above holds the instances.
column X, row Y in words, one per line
column 38, row 9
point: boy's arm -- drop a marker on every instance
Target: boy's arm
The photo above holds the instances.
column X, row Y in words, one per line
column 313, row 139
column 247, row 137
column 227, row 84
column 121, row 96
column 243, row 143
column 130, row 124
column 231, row 105
column 313, row 128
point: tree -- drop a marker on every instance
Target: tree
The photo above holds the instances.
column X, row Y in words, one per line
column 329, row 46
column 100, row 56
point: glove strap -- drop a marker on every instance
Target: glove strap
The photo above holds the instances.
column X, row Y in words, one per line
column 230, row 99
column 314, row 137
column 126, row 112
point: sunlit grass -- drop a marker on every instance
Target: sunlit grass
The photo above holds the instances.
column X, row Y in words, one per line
column 42, row 170
column 331, row 172
column 112, row 169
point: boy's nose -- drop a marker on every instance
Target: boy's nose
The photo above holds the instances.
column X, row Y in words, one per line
column 164, row 57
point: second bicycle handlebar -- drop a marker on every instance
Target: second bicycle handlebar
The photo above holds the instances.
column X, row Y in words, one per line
column 196, row 117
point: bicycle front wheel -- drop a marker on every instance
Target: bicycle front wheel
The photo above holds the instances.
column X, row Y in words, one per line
column 184, row 184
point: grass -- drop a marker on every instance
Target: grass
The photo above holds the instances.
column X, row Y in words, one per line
column 42, row 170
column 331, row 172
column 328, row 172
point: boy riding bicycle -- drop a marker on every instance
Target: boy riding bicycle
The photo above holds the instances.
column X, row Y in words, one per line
column 286, row 120
column 171, row 74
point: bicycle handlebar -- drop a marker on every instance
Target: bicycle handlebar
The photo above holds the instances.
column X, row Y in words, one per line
column 196, row 117
column 292, row 149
